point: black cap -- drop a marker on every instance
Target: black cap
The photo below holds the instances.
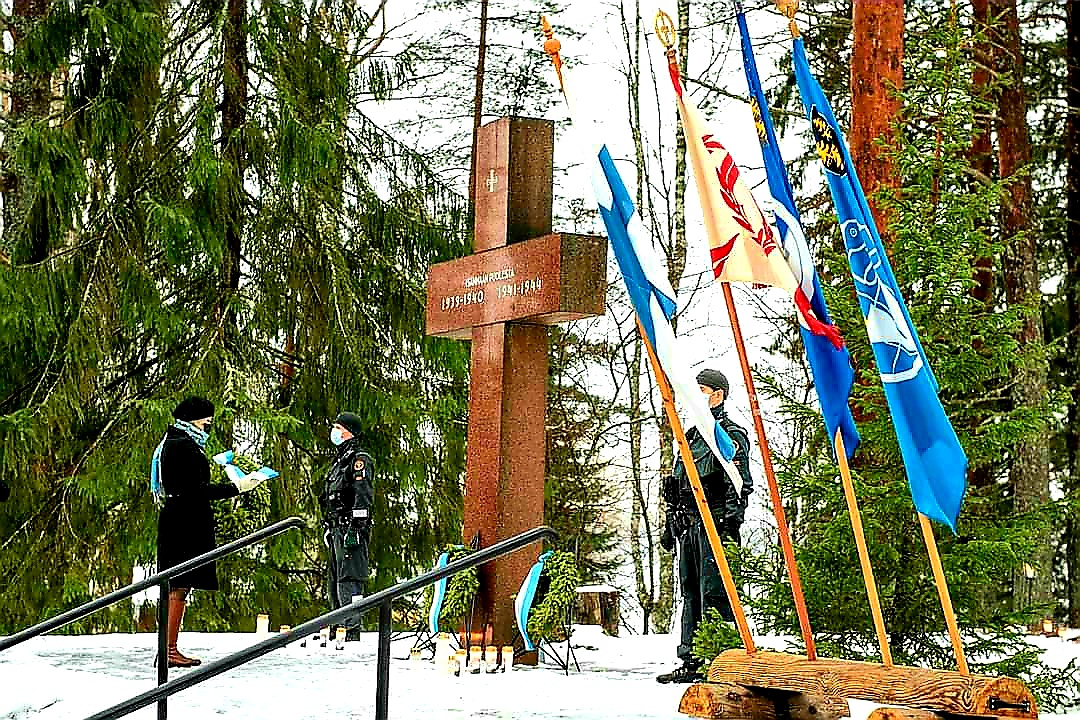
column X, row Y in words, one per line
column 714, row 379
column 350, row 422
column 193, row 408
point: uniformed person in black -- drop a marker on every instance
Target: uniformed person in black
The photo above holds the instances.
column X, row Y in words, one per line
column 699, row 576
column 346, row 502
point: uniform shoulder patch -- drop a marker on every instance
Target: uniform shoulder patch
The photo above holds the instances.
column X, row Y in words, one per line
column 359, row 464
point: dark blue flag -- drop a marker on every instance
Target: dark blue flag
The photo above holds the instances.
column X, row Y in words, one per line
column 830, row 365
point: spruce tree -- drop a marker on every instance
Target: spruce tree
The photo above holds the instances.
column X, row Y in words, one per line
column 149, row 202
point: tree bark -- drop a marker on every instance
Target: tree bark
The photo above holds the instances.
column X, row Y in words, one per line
column 676, row 257
column 1072, row 299
column 233, row 118
column 877, row 52
column 642, row 557
column 1030, row 469
column 982, row 149
column 664, row 600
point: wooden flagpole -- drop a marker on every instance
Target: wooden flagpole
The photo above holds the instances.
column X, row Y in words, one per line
column 770, row 475
column 943, row 594
column 665, row 31
column 552, row 47
column 699, row 495
column 789, row 8
column 860, row 543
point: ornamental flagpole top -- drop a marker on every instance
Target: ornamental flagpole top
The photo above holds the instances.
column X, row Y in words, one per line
column 552, row 46
column 665, row 32
column 789, row 8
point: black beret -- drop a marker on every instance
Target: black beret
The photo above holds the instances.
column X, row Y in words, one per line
column 193, row 408
column 714, row 379
column 350, row 422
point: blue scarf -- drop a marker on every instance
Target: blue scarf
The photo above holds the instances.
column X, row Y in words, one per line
column 199, row 436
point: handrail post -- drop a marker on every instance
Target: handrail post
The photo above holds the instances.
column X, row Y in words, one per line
column 382, row 678
column 162, row 645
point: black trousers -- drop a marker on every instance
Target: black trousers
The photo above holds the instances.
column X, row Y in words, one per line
column 702, row 585
column 348, row 569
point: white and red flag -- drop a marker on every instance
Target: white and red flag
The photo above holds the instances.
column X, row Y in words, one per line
column 744, row 246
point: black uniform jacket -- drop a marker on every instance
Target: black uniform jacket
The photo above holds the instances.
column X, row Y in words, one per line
column 720, row 491
column 347, row 497
column 186, row 522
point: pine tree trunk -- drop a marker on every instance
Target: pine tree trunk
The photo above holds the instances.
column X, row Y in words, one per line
column 877, row 51
column 30, row 96
column 1029, row 472
column 665, row 590
column 676, row 257
column 982, row 149
column 233, row 118
column 1072, row 299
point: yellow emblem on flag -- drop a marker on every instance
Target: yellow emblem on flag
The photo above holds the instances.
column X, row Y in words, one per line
column 827, row 144
column 759, row 121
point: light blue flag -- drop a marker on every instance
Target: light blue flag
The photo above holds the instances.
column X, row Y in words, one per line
column 830, row 365
column 936, row 464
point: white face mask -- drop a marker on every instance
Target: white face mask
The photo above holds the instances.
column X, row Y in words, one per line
column 337, row 436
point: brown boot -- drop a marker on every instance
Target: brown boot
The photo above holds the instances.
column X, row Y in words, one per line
column 176, row 617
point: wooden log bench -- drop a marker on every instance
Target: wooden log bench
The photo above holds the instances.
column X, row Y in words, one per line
column 778, row 686
column 736, row 702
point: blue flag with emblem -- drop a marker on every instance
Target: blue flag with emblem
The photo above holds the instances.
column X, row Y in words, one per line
column 829, row 364
column 935, row 463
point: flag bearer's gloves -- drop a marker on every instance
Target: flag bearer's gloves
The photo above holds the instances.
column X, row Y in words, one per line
column 249, row 482
column 670, row 486
column 667, row 540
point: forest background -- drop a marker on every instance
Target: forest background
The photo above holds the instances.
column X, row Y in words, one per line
column 241, row 200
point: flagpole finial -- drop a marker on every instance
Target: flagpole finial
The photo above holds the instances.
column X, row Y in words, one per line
column 789, row 8
column 552, row 46
column 665, row 32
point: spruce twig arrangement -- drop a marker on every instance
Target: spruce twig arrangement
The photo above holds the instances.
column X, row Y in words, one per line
column 548, row 618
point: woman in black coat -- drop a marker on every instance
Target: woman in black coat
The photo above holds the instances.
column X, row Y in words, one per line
column 184, row 490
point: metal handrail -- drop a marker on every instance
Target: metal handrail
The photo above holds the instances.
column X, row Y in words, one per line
column 123, row 593
column 381, row 599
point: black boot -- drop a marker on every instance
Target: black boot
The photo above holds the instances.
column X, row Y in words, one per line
column 688, row 673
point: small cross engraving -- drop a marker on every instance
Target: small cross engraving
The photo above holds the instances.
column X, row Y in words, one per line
column 492, row 181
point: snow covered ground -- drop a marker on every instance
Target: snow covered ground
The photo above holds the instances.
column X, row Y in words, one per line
column 50, row 678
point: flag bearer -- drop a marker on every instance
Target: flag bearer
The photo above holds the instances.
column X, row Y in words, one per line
column 699, row 577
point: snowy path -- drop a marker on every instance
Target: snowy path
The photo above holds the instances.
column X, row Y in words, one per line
column 49, row 678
